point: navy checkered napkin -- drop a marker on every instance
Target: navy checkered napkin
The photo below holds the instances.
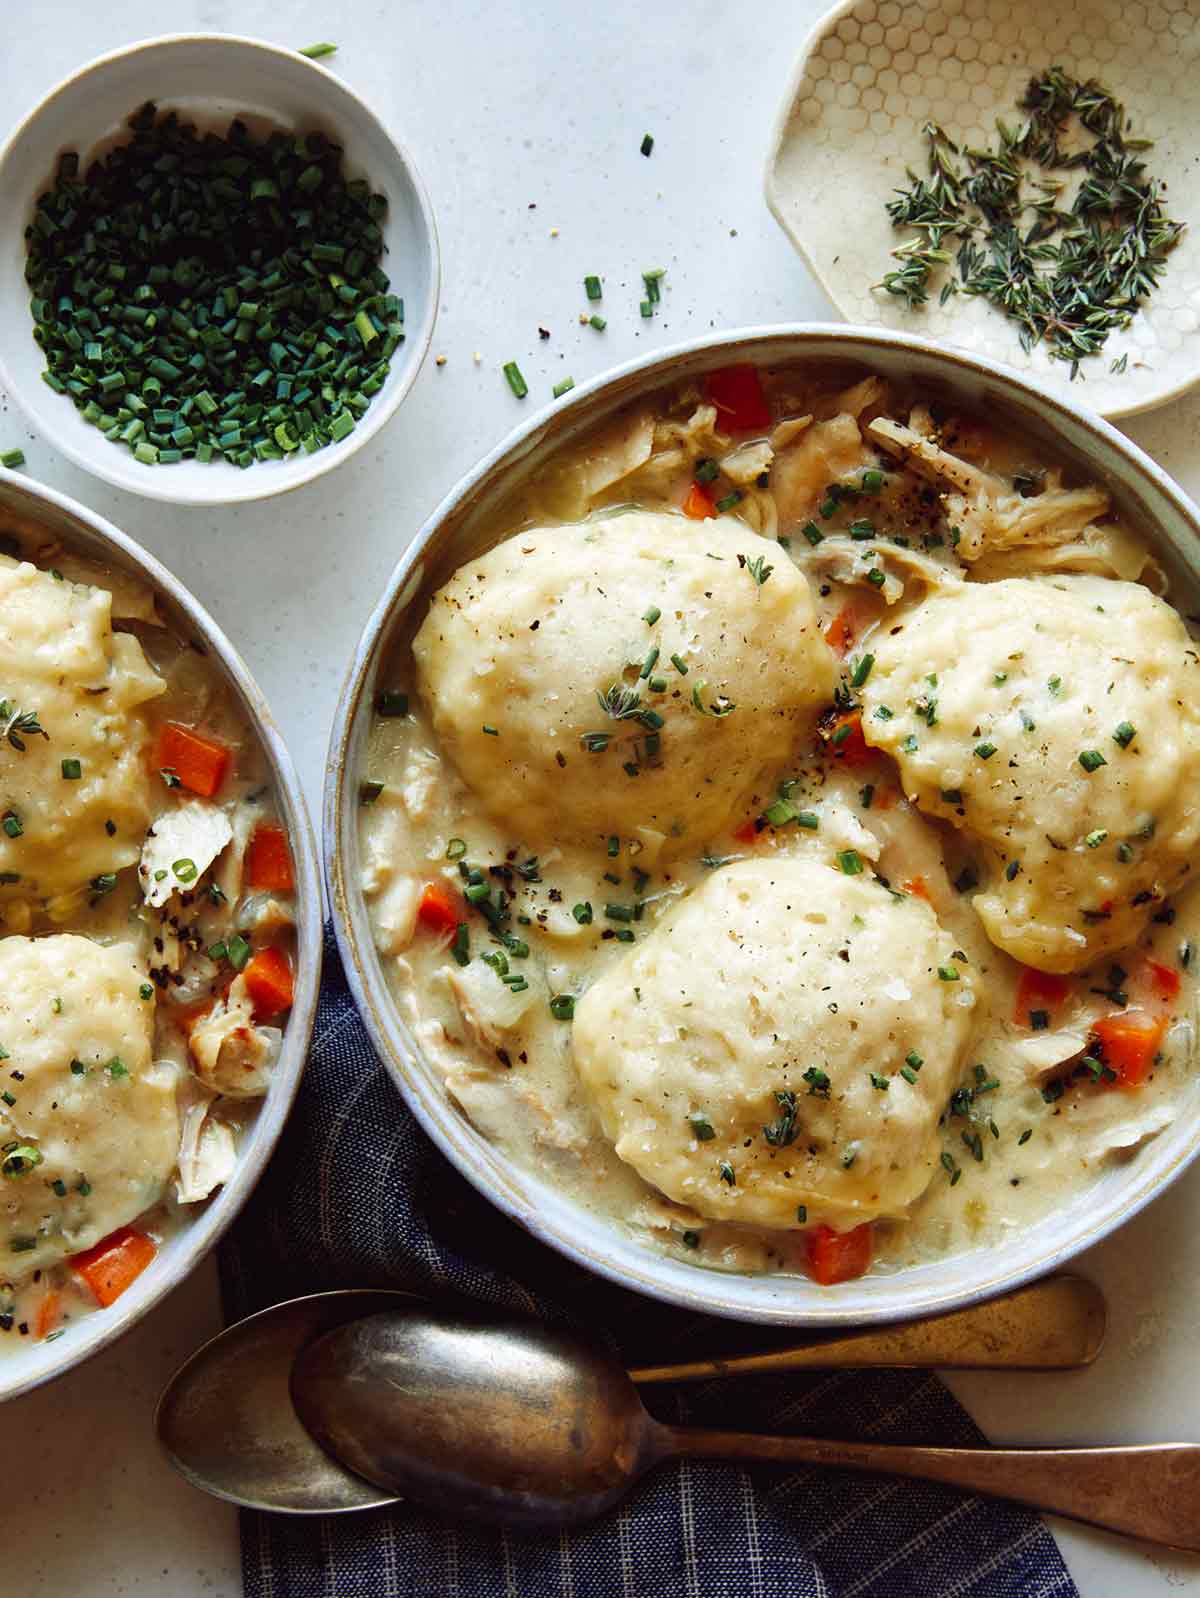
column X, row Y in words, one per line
column 357, row 1196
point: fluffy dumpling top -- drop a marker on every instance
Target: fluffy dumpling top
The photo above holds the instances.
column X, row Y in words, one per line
column 637, row 673
column 89, row 1125
column 787, row 1037
column 74, row 779
column 1055, row 720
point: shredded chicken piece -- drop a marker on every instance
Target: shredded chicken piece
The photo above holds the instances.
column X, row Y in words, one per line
column 232, row 1055
column 189, row 837
column 1046, row 1051
column 488, row 1008
column 207, row 1154
column 419, row 783
column 822, row 454
column 610, row 456
column 1108, row 551
column 757, row 510
column 987, row 512
column 746, row 464
column 842, row 560
column 787, row 432
column 867, row 394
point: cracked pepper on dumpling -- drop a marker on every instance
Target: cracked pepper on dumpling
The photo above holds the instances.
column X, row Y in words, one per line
column 1055, row 721
column 787, row 1038
column 74, row 778
column 637, row 673
column 89, row 1125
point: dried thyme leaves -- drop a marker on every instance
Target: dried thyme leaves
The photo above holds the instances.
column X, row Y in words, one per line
column 1068, row 271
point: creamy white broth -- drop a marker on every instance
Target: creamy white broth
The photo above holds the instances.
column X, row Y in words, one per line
column 1017, row 1152
column 123, row 983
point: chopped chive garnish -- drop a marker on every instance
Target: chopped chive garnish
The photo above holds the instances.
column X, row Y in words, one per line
column 314, row 52
column 515, row 380
column 985, row 750
column 591, row 287
column 728, row 501
column 1124, row 853
column 11, row 823
column 872, row 481
column 185, row 870
column 1124, row 734
column 217, row 952
column 492, row 732
column 646, row 308
column 884, row 713
column 879, row 1083
column 1054, row 684
column 1025, row 1136
column 1096, row 838
column 907, row 1072
column 679, row 664
column 866, row 794
column 460, row 948
column 915, row 1060
column 862, row 671
column 456, row 848
column 613, row 847
column 647, row 143
column 72, row 770
column 706, row 470
column 146, row 990
column 702, row 1127
column 862, row 529
column 563, row 387
column 583, row 913
column 12, row 458
column 726, row 1173
column 1091, row 759
column 1012, row 870
column 651, row 659
column 876, row 578
column 238, row 951
column 562, row 1006
column 813, row 533
column 850, row 862
column 948, row 973
column 598, row 322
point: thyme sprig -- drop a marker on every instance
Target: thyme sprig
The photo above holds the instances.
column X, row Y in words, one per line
column 1068, row 274
column 14, row 721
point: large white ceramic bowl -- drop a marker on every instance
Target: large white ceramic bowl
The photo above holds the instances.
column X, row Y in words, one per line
column 23, row 1364
column 210, row 78
column 458, row 529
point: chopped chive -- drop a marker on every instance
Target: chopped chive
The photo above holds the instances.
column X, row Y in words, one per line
column 238, row 950
column 1124, row 734
column 866, row 794
column 583, row 913
column 652, row 615
column 728, row 501
column 146, row 990
column 985, row 750
column 613, row 847
column 948, row 973
column 702, row 1127
column 591, row 287
column 679, row 664
column 515, row 380
column 645, row 308
column 563, row 387
column 562, row 1007
column 862, row 671
column 915, row 1060
column 314, row 52
column 872, row 481
column 368, row 792
column 456, row 848
column 492, row 732
column 185, row 870
column 907, row 1072
column 12, row 458
column 598, row 322
column 1091, row 759
column 647, row 143
column 1124, row 853
column 72, row 770
column 876, row 578
column 850, row 862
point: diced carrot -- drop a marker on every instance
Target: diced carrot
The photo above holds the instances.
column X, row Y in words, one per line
column 919, row 888
column 844, row 739
column 268, row 979
column 737, row 392
column 269, row 859
column 1038, row 990
column 1128, row 1043
column 1164, row 980
column 747, row 832
column 114, row 1263
column 440, row 910
column 698, row 504
column 842, row 630
column 200, row 763
column 48, row 1313
column 838, row 1256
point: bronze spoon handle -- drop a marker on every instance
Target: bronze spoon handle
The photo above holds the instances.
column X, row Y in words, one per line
column 1057, row 1324
column 1147, row 1490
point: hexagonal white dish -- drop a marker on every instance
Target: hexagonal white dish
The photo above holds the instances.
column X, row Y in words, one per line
column 873, row 72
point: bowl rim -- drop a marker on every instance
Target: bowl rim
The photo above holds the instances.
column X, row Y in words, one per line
column 417, row 339
column 825, row 24
column 702, row 1290
column 197, row 1237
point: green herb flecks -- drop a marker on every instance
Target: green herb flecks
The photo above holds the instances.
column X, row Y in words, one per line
column 1068, row 277
column 18, row 724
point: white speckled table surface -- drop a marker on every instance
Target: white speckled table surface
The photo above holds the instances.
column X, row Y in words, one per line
column 526, row 126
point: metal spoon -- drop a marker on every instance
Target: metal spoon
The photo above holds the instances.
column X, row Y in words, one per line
column 519, row 1424
column 227, row 1422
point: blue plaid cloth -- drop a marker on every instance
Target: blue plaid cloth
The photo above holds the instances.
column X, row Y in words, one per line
column 357, row 1196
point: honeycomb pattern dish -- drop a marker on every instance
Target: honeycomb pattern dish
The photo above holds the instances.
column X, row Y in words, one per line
column 874, row 71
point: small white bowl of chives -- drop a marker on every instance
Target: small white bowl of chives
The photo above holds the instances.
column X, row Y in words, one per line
column 265, row 316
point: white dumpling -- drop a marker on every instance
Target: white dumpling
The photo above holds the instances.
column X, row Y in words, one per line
column 62, row 665
column 82, row 1092
column 775, row 979
column 1001, row 697
column 527, row 640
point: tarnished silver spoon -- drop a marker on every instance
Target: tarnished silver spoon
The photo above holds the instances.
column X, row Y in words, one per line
column 227, row 1422
column 515, row 1423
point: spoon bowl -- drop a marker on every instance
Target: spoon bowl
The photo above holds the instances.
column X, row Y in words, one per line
column 499, row 1420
